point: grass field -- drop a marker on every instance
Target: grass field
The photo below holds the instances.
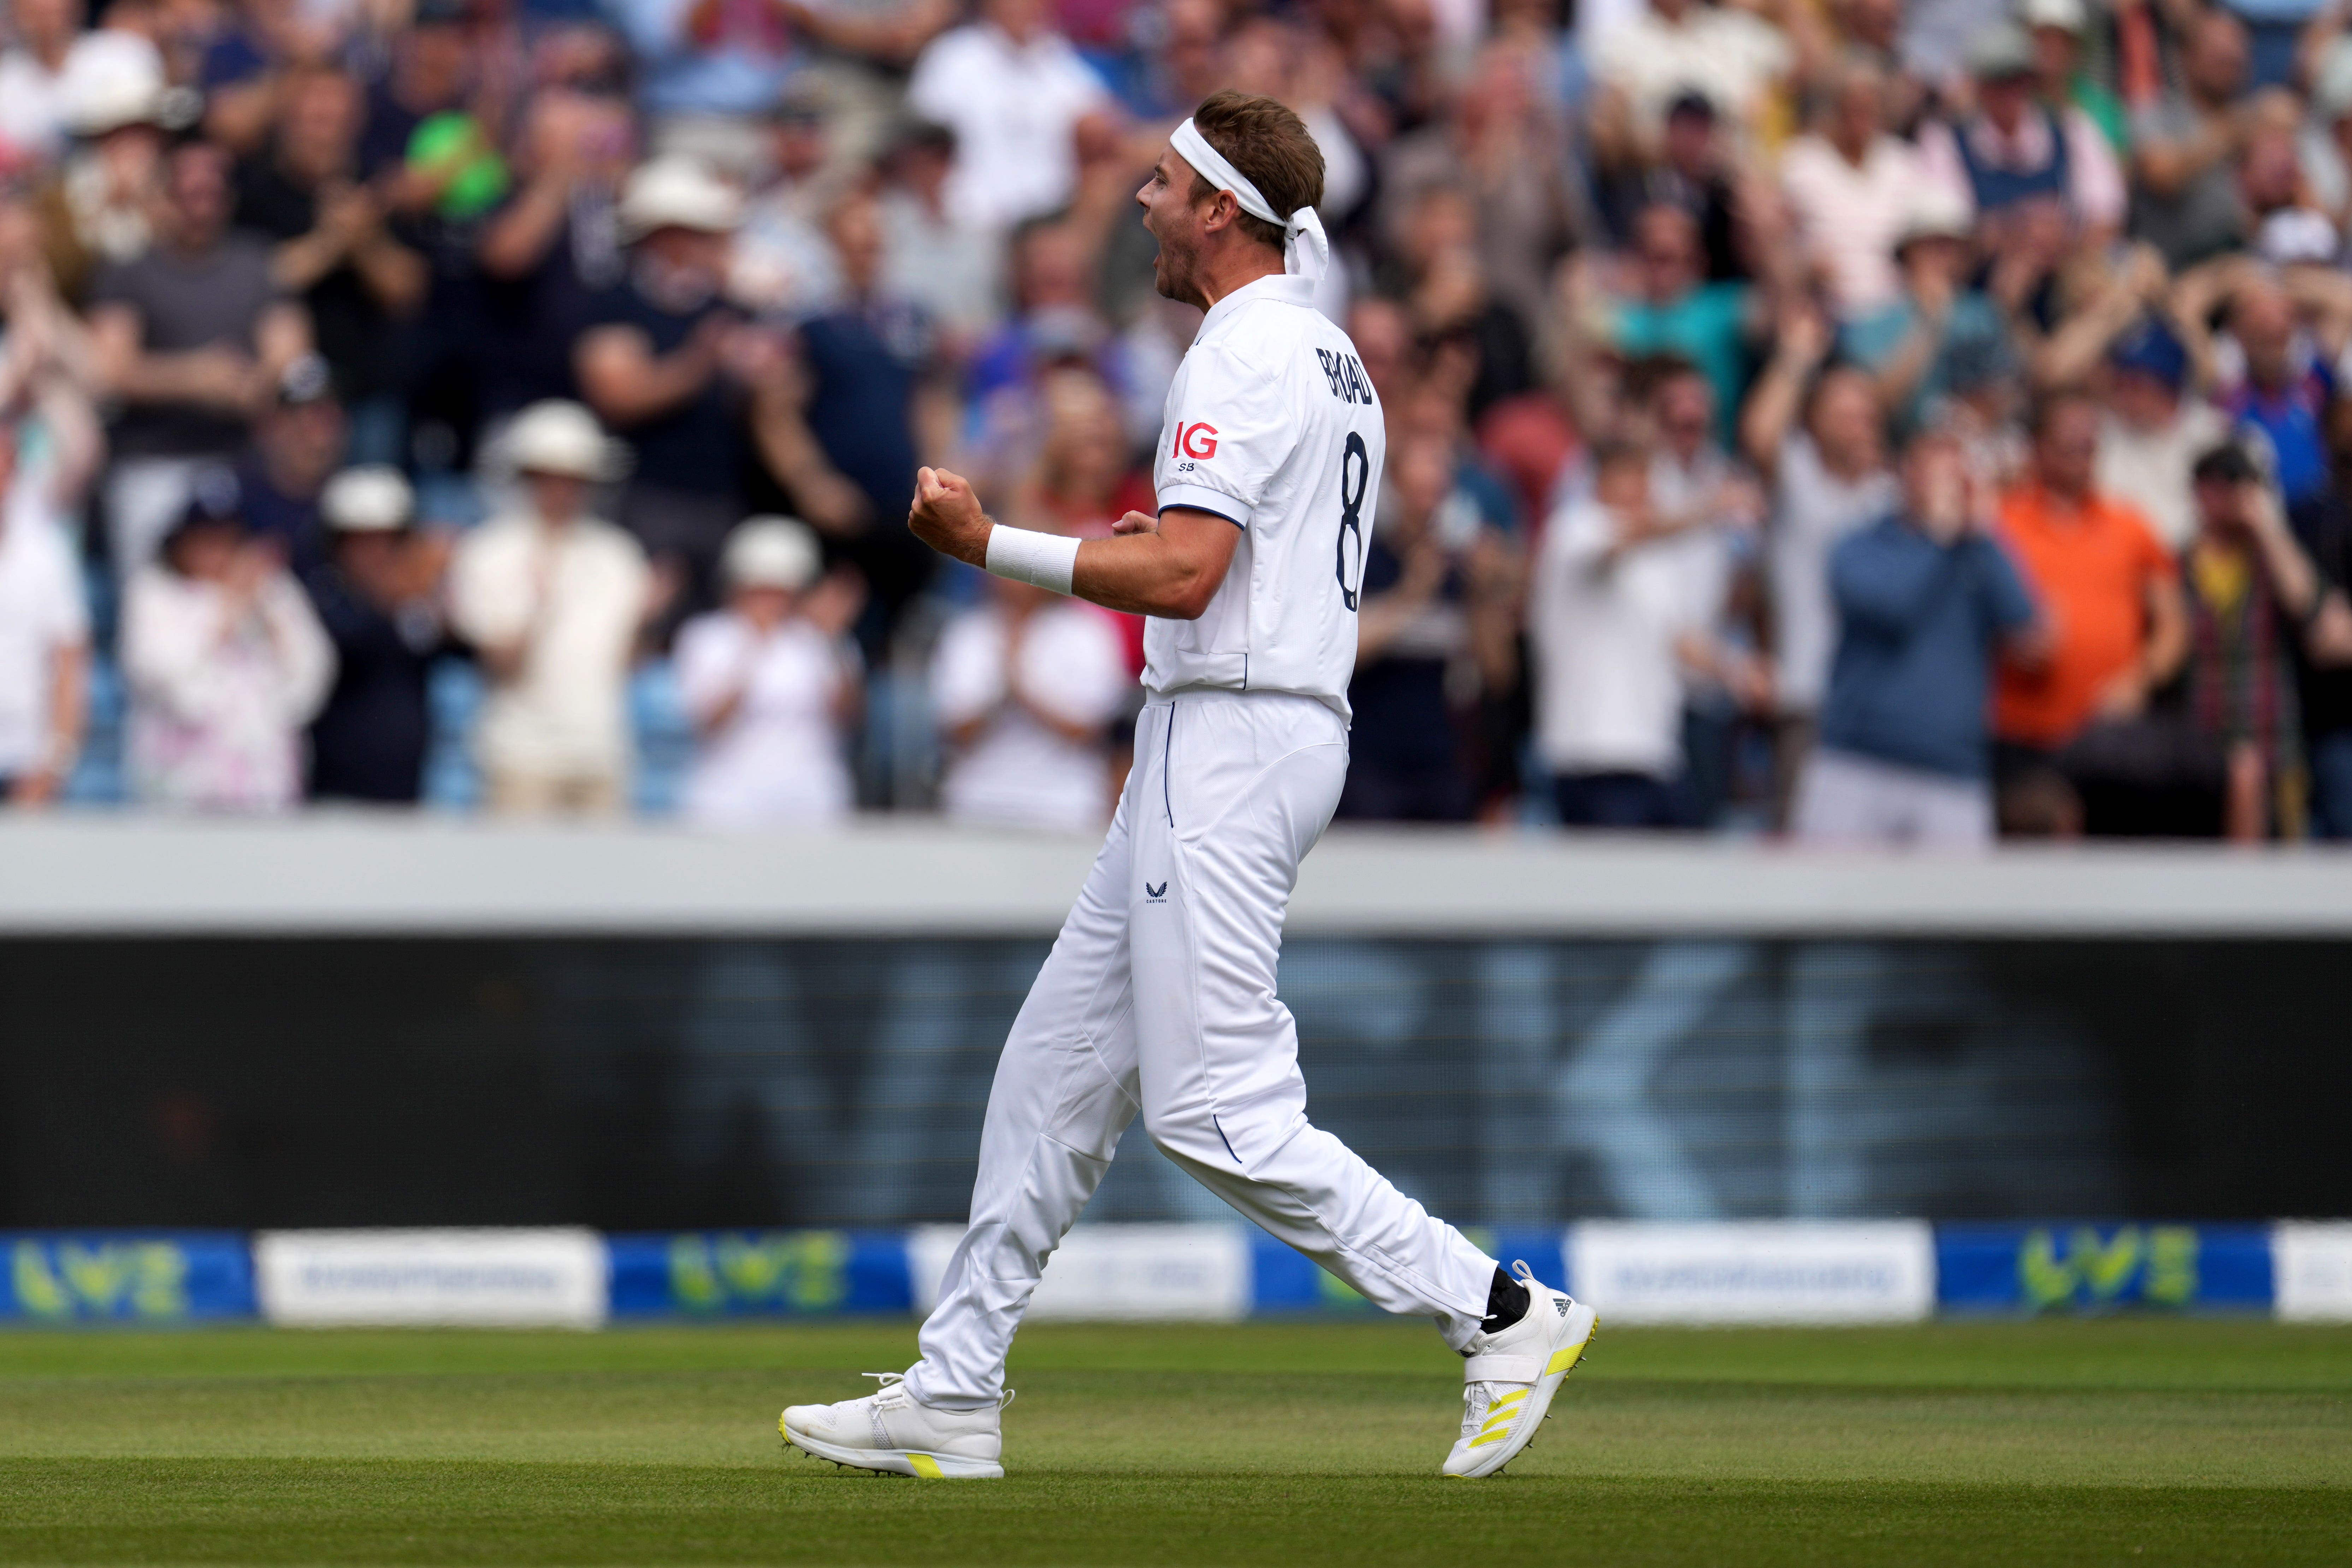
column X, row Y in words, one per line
column 2121, row 1440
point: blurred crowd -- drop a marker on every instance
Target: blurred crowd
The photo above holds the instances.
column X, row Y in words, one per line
column 1856, row 420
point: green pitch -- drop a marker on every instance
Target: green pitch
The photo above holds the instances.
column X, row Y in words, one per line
column 2124, row 1440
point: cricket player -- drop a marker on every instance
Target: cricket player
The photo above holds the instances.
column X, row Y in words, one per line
column 1159, row 995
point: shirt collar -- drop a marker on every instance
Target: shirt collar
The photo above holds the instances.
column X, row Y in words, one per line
column 1010, row 45
column 1279, row 287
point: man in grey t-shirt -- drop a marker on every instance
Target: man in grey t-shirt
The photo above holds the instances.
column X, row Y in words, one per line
column 1815, row 435
column 2184, row 150
column 191, row 338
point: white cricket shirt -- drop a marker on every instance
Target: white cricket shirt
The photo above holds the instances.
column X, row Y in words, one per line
column 1609, row 680
column 1271, row 422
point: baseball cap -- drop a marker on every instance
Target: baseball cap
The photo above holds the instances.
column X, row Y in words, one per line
column 1692, row 103
column 2227, row 464
column 215, row 495
column 2150, row 348
column 928, row 135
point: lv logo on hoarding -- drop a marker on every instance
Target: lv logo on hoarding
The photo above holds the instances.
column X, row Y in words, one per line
column 799, row 1270
column 67, row 1279
column 2156, row 1266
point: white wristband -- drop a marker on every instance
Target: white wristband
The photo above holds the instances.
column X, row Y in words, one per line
column 1048, row 560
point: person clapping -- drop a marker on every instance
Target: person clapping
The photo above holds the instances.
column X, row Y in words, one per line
column 771, row 683
column 225, row 660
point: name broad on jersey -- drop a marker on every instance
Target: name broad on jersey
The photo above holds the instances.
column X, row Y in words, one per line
column 1346, row 376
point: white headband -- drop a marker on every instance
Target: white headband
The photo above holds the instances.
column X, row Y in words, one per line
column 1306, row 250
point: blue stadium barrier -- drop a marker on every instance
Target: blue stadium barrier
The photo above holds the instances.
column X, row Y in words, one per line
column 126, row 1276
column 2090, row 1268
column 733, row 1274
column 162, row 1278
column 665, row 738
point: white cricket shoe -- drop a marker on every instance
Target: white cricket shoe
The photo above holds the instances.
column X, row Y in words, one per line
column 1511, row 1375
column 888, row 1430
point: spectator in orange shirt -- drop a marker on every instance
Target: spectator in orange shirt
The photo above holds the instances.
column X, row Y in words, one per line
column 2113, row 597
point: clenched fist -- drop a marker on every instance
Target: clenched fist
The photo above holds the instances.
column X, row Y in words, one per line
column 947, row 516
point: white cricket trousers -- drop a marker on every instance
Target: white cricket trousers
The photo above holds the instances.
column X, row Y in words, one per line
column 1159, row 997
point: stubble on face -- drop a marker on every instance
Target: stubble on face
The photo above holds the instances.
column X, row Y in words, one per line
column 1173, row 269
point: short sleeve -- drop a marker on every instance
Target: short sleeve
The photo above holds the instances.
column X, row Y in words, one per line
column 1228, row 432
column 1081, row 87
column 1578, row 536
column 117, row 283
column 932, row 91
column 2098, row 174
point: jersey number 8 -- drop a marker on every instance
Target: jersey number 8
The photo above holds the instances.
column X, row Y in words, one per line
column 1355, row 465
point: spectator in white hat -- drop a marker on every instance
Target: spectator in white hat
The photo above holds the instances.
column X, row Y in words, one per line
column 112, row 100
column 377, row 597
column 224, row 661
column 673, row 364
column 2016, row 157
column 554, row 600
column 771, row 683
